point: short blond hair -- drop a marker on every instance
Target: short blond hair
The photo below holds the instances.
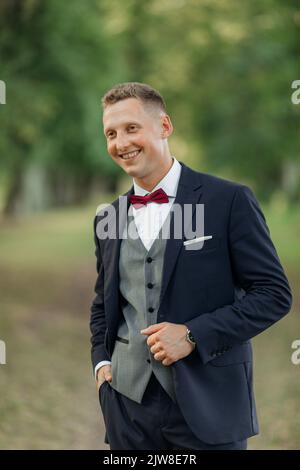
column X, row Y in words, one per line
column 141, row 91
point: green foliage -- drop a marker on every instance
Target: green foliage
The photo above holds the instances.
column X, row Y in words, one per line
column 53, row 57
column 224, row 67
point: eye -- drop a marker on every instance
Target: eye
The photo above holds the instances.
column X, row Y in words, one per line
column 132, row 127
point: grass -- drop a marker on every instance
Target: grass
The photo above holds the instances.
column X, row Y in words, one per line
column 47, row 276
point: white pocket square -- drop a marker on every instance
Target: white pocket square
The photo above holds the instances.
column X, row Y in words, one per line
column 195, row 240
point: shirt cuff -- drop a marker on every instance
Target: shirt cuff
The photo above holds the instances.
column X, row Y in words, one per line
column 100, row 364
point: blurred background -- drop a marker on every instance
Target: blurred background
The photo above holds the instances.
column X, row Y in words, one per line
column 225, row 68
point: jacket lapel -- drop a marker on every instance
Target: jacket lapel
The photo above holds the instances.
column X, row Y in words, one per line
column 111, row 254
column 188, row 192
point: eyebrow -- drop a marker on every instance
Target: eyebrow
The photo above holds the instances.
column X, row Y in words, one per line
column 126, row 124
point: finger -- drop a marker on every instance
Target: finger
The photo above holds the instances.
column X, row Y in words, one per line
column 153, row 328
column 156, row 348
column 152, row 339
column 159, row 356
column 99, row 383
column 167, row 362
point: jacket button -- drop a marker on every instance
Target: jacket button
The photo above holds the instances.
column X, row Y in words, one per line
column 150, row 285
column 149, row 259
column 151, row 309
column 148, row 360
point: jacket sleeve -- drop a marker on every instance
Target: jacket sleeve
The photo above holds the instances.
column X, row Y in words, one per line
column 97, row 320
column 257, row 270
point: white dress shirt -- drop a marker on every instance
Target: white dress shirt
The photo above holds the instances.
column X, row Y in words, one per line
column 150, row 218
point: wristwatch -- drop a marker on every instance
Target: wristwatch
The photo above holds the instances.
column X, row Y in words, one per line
column 189, row 337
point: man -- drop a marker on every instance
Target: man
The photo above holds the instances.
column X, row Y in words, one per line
column 172, row 319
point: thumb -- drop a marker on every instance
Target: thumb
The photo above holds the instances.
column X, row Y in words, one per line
column 107, row 372
column 152, row 328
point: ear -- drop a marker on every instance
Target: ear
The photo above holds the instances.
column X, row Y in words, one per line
column 167, row 126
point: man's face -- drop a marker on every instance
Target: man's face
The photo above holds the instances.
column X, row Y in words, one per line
column 136, row 137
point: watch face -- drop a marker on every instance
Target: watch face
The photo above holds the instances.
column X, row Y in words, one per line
column 191, row 337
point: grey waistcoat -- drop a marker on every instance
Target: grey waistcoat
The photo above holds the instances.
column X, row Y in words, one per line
column 140, row 285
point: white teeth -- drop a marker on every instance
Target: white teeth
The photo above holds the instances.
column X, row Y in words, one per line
column 127, row 156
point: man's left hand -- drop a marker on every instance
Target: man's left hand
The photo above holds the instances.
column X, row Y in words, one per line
column 167, row 342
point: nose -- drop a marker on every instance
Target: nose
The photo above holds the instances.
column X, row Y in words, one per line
column 121, row 143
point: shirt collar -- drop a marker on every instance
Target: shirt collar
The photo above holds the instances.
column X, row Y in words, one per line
column 169, row 183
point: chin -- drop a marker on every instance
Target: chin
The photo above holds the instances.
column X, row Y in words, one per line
column 132, row 172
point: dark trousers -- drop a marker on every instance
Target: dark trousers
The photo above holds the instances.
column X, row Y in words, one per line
column 155, row 424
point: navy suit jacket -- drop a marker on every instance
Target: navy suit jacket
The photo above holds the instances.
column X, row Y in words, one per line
column 226, row 293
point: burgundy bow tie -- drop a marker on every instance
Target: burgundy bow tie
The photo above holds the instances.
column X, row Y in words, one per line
column 158, row 196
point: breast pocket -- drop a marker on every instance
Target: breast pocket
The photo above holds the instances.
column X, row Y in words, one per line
column 202, row 247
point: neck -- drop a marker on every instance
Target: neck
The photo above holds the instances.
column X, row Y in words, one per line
column 150, row 181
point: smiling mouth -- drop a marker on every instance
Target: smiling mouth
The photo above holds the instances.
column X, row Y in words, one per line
column 130, row 155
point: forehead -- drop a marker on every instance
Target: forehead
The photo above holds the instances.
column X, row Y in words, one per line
column 122, row 112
